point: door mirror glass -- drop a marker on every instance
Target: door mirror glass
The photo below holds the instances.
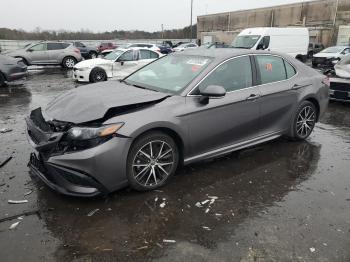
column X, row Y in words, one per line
column 213, row 91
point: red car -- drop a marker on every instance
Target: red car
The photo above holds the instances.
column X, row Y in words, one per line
column 104, row 46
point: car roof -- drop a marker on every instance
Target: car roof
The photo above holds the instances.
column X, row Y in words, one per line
column 223, row 53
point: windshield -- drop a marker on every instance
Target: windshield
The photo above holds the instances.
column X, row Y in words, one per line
column 170, row 74
column 333, row 49
column 245, row 41
column 114, row 55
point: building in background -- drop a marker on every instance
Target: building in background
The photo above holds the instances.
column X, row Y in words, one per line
column 324, row 18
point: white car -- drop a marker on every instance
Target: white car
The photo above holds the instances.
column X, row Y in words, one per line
column 149, row 46
column 184, row 47
column 118, row 64
column 342, row 68
column 330, row 56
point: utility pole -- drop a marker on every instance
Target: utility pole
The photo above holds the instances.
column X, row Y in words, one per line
column 162, row 31
column 191, row 21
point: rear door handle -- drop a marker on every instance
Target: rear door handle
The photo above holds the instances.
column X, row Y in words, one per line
column 253, row 97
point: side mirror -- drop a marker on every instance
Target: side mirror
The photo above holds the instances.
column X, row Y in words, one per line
column 211, row 91
column 29, row 50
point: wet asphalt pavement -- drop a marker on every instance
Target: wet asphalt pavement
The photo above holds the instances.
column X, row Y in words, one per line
column 280, row 201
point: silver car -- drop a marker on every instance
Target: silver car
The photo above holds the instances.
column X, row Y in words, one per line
column 11, row 69
column 49, row 53
column 182, row 108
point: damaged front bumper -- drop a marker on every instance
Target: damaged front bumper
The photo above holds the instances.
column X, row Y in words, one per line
column 64, row 180
column 85, row 173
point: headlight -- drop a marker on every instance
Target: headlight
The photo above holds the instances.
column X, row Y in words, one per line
column 86, row 133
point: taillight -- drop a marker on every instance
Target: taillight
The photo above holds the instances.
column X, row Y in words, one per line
column 326, row 81
column 77, row 50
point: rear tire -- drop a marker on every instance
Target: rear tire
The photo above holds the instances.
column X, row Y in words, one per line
column 304, row 121
column 69, row 62
column 97, row 75
column 152, row 161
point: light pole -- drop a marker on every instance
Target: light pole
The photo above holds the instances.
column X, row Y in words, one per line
column 191, row 21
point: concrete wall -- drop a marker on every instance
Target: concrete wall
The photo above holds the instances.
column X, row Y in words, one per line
column 318, row 16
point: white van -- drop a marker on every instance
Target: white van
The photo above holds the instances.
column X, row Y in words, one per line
column 289, row 40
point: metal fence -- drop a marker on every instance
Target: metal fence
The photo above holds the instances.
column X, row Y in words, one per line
column 16, row 44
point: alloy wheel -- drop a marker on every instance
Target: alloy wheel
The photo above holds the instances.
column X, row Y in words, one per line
column 306, row 121
column 153, row 163
column 98, row 76
column 70, row 63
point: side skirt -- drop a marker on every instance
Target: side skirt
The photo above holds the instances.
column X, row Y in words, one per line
column 231, row 148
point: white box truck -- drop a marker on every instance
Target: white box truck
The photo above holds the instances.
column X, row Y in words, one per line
column 289, row 40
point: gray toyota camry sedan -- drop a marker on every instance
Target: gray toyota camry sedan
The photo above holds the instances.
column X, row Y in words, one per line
column 180, row 109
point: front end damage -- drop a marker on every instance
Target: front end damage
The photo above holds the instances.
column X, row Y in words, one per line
column 64, row 164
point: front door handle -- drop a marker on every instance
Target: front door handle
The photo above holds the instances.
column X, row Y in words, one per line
column 297, row 86
column 253, row 97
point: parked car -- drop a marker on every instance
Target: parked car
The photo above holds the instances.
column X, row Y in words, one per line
column 215, row 45
column 11, row 69
column 293, row 41
column 314, row 48
column 153, row 47
column 328, row 57
column 180, row 43
column 104, row 46
column 339, row 89
column 86, row 51
column 184, row 47
column 105, row 52
column 48, row 53
column 165, row 49
column 182, row 108
column 168, row 43
column 342, row 68
column 118, row 64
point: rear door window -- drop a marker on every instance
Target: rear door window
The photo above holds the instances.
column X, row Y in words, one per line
column 271, row 68
column 56, row 46
column 154, row 55
column 145, row 54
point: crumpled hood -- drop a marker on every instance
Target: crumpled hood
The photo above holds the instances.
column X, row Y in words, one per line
column 91, row 102
column 93, row 62
column 9, row 59
column 326, row 55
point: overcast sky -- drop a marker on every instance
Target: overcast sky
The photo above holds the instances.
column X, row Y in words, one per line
column 107, row 15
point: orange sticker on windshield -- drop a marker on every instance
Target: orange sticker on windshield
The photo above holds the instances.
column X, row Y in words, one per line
column 195, row 68
column 269, row 67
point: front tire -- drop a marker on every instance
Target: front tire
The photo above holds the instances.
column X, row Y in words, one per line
column 304, row 121
column 152, row 160
column 69, row 62
column 97, row 75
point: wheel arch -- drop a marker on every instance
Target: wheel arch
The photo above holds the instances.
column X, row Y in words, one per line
column 315, row 102
column 170, row 132
column 24, row 59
